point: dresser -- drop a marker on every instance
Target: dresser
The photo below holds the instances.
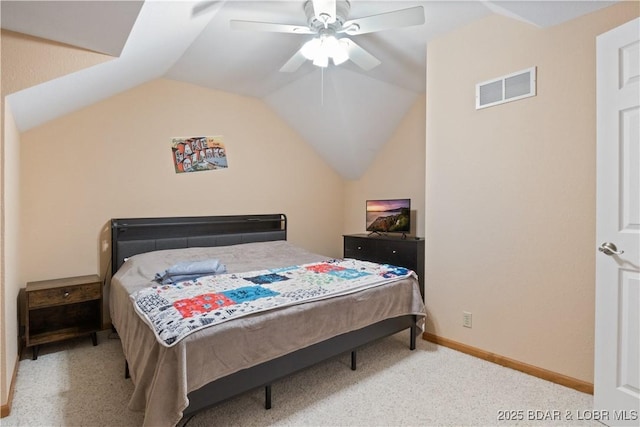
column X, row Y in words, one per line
column 64, row 308
column 388, row 249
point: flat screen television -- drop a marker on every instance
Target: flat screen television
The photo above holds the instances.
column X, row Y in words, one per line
column 389, row 216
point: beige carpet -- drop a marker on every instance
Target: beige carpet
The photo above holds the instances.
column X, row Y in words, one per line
column 76, row 384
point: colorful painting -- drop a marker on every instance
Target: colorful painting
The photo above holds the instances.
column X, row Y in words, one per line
column 198, row 153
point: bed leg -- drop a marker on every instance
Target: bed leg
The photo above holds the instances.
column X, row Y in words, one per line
column 353, row 360
column 413, row 331
column 126, row 369
column 267, row 396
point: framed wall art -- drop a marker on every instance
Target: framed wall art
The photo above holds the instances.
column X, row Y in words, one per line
column 198, row 153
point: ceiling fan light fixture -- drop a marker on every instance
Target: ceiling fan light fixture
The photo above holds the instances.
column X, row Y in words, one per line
column 311, row 48
column 321, row 60
column 337, row 60
column 340, row 53
column 320, row 49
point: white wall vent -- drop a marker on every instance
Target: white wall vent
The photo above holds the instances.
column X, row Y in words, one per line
column 514, row 86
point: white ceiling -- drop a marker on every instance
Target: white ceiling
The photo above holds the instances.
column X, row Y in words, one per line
column 345, row 113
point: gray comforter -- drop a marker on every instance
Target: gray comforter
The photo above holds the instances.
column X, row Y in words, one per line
column 163, row 376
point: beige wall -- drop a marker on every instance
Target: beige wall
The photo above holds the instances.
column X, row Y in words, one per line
column 510, row 206
column 26, row 61
column 113, row 159
column 11, row 246
column 396, row 172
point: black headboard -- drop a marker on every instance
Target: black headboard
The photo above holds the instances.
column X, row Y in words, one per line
column 131, row 236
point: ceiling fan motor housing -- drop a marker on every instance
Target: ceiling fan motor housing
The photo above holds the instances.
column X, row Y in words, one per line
column 342, row 11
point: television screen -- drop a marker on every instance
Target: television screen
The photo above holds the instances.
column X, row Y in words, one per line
column 389, row 216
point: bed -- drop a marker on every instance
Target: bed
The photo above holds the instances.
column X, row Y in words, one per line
column 213, row 364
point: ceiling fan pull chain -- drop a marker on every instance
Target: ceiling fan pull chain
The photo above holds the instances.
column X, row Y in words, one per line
column 321, row 86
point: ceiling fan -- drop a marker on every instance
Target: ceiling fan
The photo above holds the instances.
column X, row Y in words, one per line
column 327, row 20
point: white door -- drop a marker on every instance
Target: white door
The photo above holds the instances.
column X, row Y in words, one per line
column 617, row 334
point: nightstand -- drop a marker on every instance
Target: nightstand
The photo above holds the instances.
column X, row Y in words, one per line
column 60, row 309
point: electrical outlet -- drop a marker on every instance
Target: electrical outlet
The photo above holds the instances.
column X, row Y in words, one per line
column 466, row 319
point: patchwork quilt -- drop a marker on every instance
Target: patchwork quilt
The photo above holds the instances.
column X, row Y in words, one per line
column 174, row 311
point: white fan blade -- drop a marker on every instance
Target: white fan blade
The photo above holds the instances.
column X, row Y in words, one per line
column 269, row 27
column 359, row 56
column 384, row 21
column 326, row 8
column 294, row 62
column 204, row 6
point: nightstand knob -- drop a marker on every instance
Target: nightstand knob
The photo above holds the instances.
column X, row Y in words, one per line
column 394, row 251
column 66, row 294
column 359, row 247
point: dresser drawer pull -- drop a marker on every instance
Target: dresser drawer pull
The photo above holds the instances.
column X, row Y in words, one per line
column 359, row 247
column 394, row 251
column 66, row 294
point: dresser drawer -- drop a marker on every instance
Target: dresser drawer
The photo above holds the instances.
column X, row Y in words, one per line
column 400, row 254
column 360, row 248
column 63, row 295
column 393, row 250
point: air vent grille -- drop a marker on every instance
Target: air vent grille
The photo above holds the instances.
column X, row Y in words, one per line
column 514, row 86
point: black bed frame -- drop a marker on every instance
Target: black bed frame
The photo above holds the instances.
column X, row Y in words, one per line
column 139, row 235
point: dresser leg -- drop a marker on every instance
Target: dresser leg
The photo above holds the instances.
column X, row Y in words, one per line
column 94, row 338
column 34, row 352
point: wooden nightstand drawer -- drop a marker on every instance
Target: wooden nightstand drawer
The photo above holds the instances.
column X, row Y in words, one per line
column 64, row 295
column 63, row 308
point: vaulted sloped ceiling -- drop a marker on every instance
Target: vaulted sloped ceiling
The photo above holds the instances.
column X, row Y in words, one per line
column 345, row 113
